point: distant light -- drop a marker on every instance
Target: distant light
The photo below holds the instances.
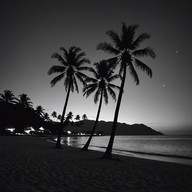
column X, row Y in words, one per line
column 69, row 132
column 176, row 51
column 163, row 85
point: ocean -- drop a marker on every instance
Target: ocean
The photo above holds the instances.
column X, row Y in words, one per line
column 176, row 149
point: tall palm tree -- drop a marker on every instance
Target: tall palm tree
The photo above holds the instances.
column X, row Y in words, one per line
column 8, row 97
column 40, row 111
column 126, row 52
column 101, row 85
column 25, row 101
column 72, row 63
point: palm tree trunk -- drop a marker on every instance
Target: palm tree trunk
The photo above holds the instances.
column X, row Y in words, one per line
column 108, row 152
column 85, row 148
column 58, row 143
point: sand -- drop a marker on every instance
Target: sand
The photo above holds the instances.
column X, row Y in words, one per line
column 31, row 164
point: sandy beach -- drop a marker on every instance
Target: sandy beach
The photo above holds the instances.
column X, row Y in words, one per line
column 31, row 164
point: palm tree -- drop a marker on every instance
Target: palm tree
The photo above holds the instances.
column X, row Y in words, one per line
column 46, row 117
column 84, row 117
column 69, row 116
column 8, row 97
column 101, row 85
column 70, row 68
column 54, row 114
column 77, row 118
column 59, row 117
column 125, row 51
column 25, row 101
column 40, row 111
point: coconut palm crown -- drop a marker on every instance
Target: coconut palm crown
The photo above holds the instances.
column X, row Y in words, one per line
column 25, row 101
column 39, row 111
column 8, row 97
column 126, row 50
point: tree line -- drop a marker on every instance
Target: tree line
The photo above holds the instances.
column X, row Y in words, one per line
column 20, row 114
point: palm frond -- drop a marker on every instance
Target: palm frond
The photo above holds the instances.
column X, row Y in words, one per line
column 139, row 40
column 121, row 70
column 134, row 74
column 143, row 67
column 83, row 61
column 56, row 69
column 96, row 96
column 111, row 92
column 90, row 79
column 112, row 78
column 96, row 75
column 112, row 62
column 79, row 56
column 113, row 86
column 74, row 49
column 59, row 58
column 105, row 95
column 56, row 79
column 83, row 68
column 81, row 77
column 89, row 89
column 144, row 52
column 76, row 85
column 68, row 82
column 107, row 47
column 127, row 35
column 115, row 38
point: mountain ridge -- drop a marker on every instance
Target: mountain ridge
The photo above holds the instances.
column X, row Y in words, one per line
column 105, row 127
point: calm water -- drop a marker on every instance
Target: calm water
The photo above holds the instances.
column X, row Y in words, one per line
column 165, row 148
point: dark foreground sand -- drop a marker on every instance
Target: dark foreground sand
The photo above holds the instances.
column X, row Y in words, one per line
column 31, row 164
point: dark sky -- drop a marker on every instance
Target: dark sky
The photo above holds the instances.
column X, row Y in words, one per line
column 31, row 31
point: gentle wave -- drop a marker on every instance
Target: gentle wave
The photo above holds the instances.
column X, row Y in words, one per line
column 119, row 151
column 164, row 148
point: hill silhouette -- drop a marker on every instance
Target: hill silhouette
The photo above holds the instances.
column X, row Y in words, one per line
column 105, row 127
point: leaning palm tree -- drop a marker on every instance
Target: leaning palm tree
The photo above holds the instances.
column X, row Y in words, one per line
column 101, row 85
column 72, row 63
column 25, row 101
column 8, row 97
column 126, row 53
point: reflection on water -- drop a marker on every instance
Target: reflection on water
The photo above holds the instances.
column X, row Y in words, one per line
column 164, row 148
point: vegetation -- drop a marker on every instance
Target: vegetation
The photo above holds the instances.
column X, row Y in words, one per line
column 102, row 86
column 8, row 97
column 126, row 52
column 72, row 63
column 17, row 113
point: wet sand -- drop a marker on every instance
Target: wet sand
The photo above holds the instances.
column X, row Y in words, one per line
column 31, row 164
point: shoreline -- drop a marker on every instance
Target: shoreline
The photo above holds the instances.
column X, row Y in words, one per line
column 151, row 156
column 33, row 164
